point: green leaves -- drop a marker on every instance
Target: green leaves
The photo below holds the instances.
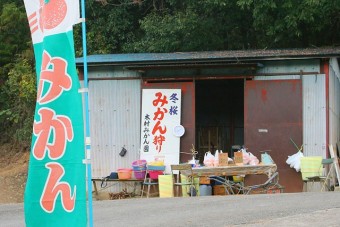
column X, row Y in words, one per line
column 293, row 23
column 199, row 25
column 181, row 31
column 109, row 26
column 14, row 32
column 17, row 78
column 18, row 103
column 191, row 26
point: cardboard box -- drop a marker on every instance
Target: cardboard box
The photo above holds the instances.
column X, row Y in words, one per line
column 276, row 189
column 204, row 180
column 219, row 190
column 238, row 158
column 222, row 159
column 271, row 190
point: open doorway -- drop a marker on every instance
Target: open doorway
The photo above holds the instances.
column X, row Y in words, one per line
column 219, row 115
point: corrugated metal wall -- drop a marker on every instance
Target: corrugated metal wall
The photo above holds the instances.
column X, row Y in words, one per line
column 314, row 115
column 284, row 67
column 115, row 120
column 334, row 102
column 291, row 77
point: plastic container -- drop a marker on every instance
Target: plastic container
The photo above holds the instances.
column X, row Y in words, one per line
column 156, row 163
column 138, row 168
column 152, row 167
column 139, row 163
column 124, row 173
column 139, row 175
column 205, row 190
column 155, row 173
column 113, row 175
column 237, row 178
column 160, row 158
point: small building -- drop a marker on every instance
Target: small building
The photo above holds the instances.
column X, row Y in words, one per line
column 277, row 100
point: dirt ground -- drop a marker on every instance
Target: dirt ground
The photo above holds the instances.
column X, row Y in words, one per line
column 13, row 173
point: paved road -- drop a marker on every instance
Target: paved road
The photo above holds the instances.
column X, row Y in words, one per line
column 279, row 210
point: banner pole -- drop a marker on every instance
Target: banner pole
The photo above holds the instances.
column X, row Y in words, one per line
column 87, row 119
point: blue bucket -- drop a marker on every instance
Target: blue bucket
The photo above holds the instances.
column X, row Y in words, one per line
column 139, row 168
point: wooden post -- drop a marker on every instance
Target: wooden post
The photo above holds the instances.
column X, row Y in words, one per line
column 335, row 161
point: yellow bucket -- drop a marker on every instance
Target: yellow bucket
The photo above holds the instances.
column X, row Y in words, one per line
column 156, row 163
column 237, row 178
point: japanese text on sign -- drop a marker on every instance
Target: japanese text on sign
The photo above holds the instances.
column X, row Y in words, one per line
column 161, row 114
column 52, row 133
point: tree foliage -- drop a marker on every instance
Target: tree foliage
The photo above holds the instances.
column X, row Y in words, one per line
column 194, row 26
column 295, row 23
column 198, row 25
column 109, row 26
column 16, row 115
column 14, row 32
column 17, row 80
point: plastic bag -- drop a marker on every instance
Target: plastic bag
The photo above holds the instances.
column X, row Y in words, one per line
column 294, row 161
column 216, row 158
column 246, row 158
column 245, row 155
column 290, row 159
column 297, row 164
column 253, row 159
column 192, row 161
column 208, row 159
column 295, row 158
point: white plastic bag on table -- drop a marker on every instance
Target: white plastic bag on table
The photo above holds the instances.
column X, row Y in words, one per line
column 205, row 157
column 192, row 161
column 208, row 159
column 216, row 158
column 253, row 159
column 245, row 154
column 246, row 158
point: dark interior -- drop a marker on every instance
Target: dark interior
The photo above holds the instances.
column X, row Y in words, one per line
column 219, row 115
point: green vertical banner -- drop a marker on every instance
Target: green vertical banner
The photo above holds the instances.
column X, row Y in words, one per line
column 55, row 193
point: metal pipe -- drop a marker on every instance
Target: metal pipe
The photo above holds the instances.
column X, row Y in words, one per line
column 87, row 120
column 115, row 78
column 287, row 74
column 199, row 78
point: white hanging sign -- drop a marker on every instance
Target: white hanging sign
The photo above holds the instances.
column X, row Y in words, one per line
column 161, row 115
